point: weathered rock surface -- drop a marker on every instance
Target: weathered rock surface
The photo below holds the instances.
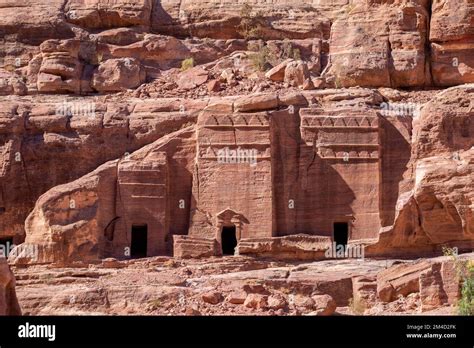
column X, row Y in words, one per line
column 437, row 207
column 381, row 44
column 232, row 285
column 278, row 21
column 171, row 89
column 435, row 280
column 8, row 300
column 118, row 74
column 296, row 73
column 452, row 42
column 399, row 232
column 55, row 141
column 70, row 222
column 57, row 46
column 94, row 15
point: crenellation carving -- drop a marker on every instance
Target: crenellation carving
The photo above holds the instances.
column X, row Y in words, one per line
column 238, row 120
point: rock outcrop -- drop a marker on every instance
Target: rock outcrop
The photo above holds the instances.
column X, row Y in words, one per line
column 8, row 300
column 381, row 44
column 452, row 42
column 62, row 47
column 77, row 221
column 270, row 130
column 53, row 142
column 437, row 205
column 428, row 214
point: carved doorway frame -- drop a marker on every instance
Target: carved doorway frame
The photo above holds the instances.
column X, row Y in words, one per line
column 228, row 218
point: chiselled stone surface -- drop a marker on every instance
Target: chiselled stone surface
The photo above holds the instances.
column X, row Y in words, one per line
column 55, row 141
column 97, row 225
column 338, row 143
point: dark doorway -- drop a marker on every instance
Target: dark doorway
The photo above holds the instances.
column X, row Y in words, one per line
column 341, row 233
column 6, row 245
column 229, row 240
column 139, row 241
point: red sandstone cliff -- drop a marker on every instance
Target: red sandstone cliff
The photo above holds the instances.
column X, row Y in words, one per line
column 115, row 114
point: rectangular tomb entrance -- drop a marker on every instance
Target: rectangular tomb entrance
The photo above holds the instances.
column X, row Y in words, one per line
column 139, row 241
column 341, row 233
column 229, row 240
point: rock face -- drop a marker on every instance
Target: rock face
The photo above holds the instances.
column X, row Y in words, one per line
column 93, row 15
column 132, row 129
column 341, row 143
column 437, row 208
column 381, row 44
column 416, row 43
column 296, row 73
column 435, row 280
column 118, row 74
column 94, row 225
column 41, row 143
column 452, row 42
column 8, row 301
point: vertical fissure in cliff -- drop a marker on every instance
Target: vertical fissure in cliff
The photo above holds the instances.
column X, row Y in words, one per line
column 428, row 71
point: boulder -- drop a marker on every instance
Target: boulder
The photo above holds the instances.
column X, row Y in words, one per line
column 433, row 208
column 303, row 302
column 452, row 42
column 237, row 297
column 402, row 279
column 296, row 73
column 277, row 73
column 212, row 297
column 276, row 302
column 308, row 85
column 379, row 44
column 256, row 102
column 192, row 78
column 117, row 75
column 256, row 301
column 323, row 305
column 432, row 293
column 204, row 19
